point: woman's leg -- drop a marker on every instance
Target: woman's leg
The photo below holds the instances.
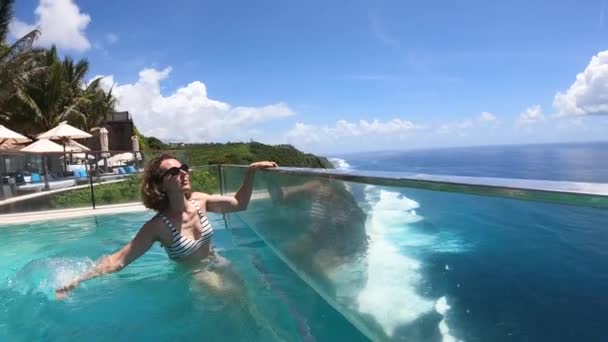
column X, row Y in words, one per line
column 221, row 280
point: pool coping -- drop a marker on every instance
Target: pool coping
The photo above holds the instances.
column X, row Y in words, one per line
column 47, row 215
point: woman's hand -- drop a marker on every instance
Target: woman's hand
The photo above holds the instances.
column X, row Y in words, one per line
column 63, row 292
column 263, row 165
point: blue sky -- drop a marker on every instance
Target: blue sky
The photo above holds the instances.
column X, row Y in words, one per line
column 344, row 76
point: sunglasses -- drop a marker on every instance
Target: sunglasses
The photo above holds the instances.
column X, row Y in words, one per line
column 174, row 171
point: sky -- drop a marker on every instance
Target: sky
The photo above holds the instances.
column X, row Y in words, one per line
column 343, row 76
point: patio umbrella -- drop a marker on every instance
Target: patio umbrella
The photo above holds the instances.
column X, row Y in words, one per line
column 135, row 147
column 7, row 135
column 9, row 140
column 73, row 146
column 44, row 147
column 123, row 157
column 80, row 156
column 76, row 149
column 104, row 146
column 64, row 133
column 135, row 143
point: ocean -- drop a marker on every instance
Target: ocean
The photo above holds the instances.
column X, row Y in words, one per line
column 486, row 269
column 580, row 162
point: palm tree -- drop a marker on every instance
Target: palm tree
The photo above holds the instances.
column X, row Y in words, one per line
column 38, row 90
column 99, row 104
column 52, row 96
column 17, row 61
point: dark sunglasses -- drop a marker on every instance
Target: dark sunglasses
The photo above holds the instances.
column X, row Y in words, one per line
column 174, row 171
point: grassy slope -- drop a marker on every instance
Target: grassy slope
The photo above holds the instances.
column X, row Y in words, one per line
column 245, row 153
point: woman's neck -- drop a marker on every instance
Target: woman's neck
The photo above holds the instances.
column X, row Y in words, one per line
column 177, row 204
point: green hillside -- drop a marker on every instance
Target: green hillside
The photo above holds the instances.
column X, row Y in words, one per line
column 245, row 153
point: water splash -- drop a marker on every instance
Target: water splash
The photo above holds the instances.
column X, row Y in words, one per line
column 46, row 275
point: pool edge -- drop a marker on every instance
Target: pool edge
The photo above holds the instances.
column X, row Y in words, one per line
column 46, row 215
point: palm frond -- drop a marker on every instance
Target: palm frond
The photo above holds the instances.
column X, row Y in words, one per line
column 27, row 100
column 22, row 45
column 6, row 14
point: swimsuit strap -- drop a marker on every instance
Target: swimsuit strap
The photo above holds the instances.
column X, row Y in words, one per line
column 198, row 209
column 167, row 222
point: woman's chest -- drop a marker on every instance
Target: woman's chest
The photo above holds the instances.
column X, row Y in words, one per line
column 189, row 228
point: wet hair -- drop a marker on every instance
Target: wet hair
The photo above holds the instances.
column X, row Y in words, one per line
column 151, row 187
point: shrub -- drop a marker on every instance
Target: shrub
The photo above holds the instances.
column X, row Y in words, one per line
column 126, row 191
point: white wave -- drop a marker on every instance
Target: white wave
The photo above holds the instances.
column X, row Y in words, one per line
column 442, row 307
column 393, row 278
column 390, row 295
column 339, row 163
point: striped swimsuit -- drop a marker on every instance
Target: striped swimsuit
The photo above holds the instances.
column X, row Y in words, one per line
column 182, row 246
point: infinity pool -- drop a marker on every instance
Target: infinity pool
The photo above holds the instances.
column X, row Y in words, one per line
column 153, row 298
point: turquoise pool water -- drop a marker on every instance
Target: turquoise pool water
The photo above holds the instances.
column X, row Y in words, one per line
column 152, row 299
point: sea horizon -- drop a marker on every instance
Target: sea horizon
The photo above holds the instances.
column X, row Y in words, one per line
column 573, row 161
column 458, row 147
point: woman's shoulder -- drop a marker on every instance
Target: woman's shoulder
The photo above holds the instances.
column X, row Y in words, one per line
column 199, row 196
column 152, row 226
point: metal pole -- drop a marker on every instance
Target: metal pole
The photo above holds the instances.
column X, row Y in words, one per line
column 220, row 171
column 92, row 191
column 65, row 161
column 2, row 172
column 46, row 172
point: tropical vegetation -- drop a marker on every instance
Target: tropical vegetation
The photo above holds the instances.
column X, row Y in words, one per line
column 39, row 89
column 245, row 153
column 126, row 191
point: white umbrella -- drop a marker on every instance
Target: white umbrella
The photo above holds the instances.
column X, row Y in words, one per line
column 9, row 140
column 135, row 143
column 43, row 147
column 81, row 156
column 104, row 146
column 135, row 147
column 73, row 146
column 122, row 157
column 103, row 141
column 64, row 132
column 7, row 135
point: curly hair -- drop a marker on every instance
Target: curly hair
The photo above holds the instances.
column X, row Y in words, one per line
column 151, row 192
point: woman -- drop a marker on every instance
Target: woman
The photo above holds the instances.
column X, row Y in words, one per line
column 181, row 225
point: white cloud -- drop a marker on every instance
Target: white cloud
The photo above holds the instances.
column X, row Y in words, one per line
column 187, row 114
column 381, row 33
column 111, row 38
column 465, row 124
column 588, row 95
column 443, row 129
column 487, row 117
column 531, row 115
column 459, row 128
column 60, row 22
column 304, row 134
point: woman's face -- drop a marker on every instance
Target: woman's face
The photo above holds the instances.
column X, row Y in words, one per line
column 170, row 182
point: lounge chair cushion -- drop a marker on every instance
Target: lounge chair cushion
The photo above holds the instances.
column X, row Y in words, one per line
column 35, row 178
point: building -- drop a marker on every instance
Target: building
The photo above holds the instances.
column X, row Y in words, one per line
column 120, row 130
